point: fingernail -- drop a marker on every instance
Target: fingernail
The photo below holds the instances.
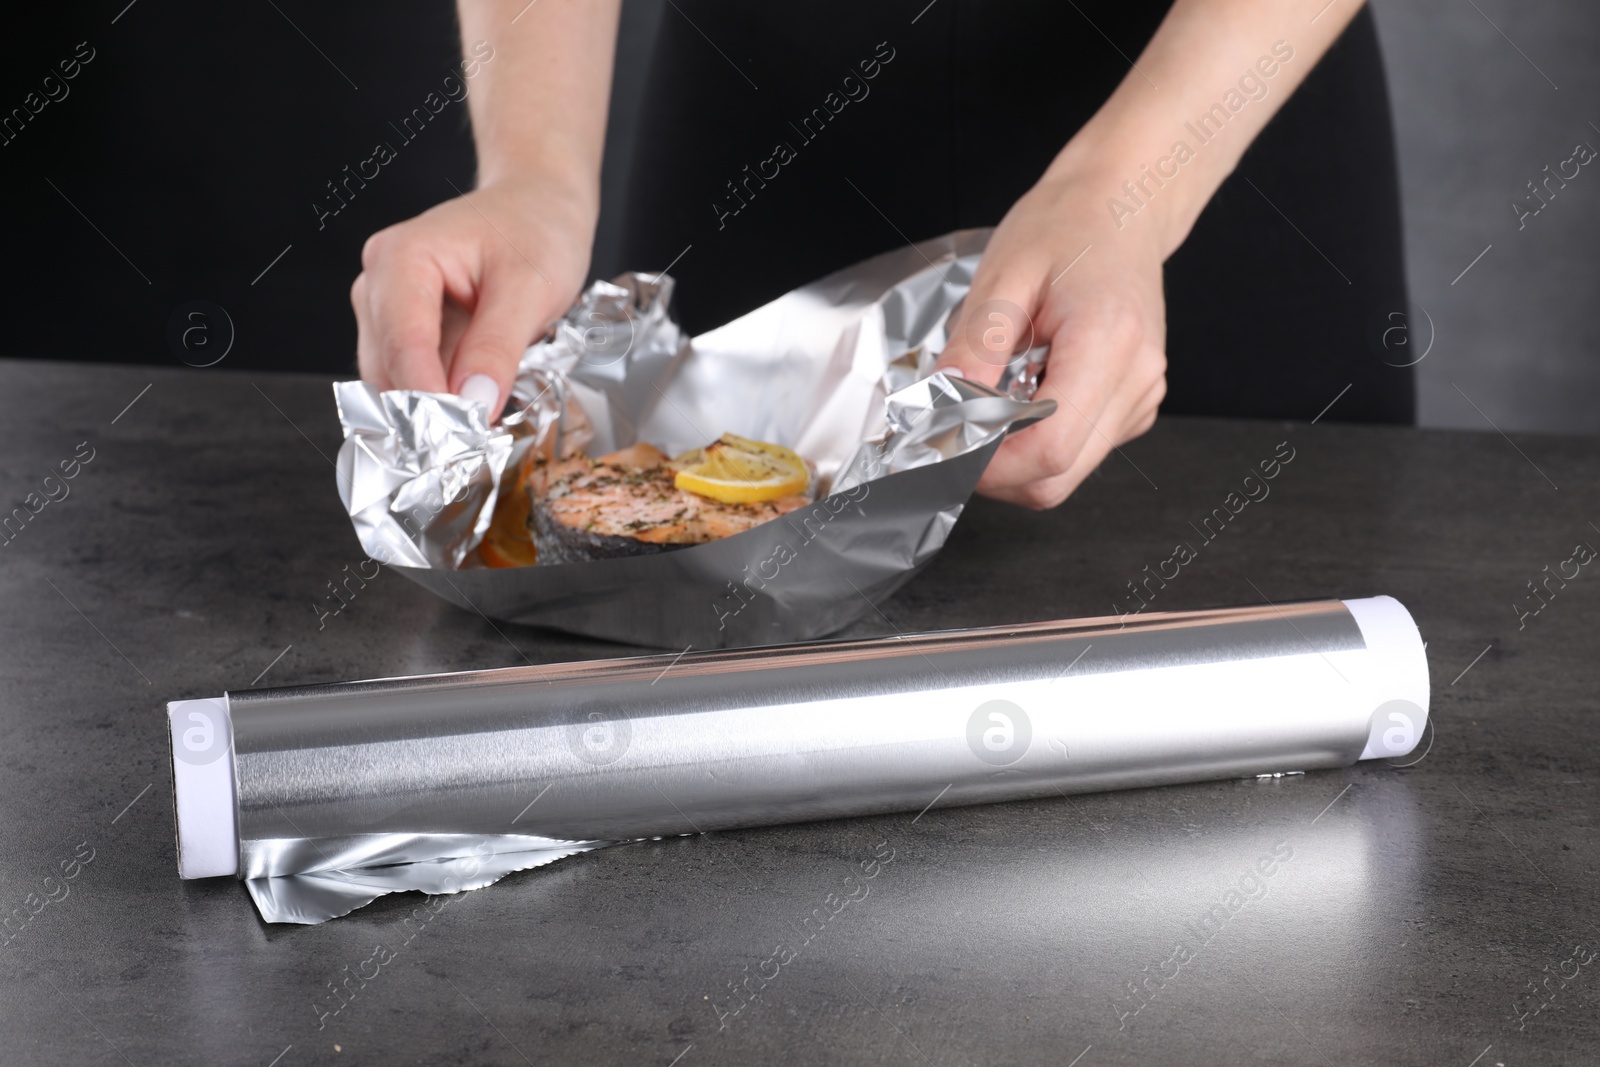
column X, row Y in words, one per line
column 482, row 388
column 953, row 372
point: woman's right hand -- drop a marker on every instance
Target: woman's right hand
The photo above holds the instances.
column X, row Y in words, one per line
column 448, row 301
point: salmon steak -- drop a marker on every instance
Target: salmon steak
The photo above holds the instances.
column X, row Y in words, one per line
column 626, row 503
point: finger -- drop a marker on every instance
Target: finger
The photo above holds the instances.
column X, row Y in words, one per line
column 1047, row 492
column 1038, row 496
column 366, row 344
column 1143, row 416
column 510, row 311
column 1090, row 356
column 406, row 297
column 995, row 325
column 1130, row 413
column 452, row 324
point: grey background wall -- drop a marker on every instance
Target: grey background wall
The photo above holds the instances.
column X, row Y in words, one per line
column 1479, row 112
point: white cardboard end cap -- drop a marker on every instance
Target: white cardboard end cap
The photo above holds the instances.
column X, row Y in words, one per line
column 202, row 785
column 1400, row 667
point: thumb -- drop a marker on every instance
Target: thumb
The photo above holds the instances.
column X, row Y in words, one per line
column 514, row 307
column 994, row 327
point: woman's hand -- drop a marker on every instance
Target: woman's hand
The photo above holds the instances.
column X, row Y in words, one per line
column 448, row 301
column 1101, row 312
column 1211, row 62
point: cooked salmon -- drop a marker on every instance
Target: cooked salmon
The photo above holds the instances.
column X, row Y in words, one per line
column 625, row 504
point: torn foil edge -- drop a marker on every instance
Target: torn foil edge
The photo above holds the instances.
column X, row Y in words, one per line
column 475, row 862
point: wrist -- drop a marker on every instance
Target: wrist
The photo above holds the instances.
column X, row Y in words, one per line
column 1139, row 183
column 540, row 187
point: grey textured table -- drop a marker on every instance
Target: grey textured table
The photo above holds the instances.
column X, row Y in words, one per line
column 1418, row 912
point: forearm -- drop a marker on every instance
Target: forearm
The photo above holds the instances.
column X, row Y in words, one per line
column 1206, row 85
column 539, row 105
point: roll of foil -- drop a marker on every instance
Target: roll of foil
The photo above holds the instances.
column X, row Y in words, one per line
column 838, row 370
column 324, row 797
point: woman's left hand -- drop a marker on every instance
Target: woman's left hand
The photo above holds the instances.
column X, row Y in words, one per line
column 1058, row 270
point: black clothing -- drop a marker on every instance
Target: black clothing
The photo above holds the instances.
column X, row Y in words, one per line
column 778, row 143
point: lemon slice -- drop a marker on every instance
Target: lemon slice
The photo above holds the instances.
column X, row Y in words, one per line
column 737, row 470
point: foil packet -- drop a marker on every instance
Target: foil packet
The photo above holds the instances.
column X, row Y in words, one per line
column 838, row 370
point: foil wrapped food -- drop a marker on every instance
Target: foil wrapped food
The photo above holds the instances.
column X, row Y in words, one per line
column 324, row 797
column 839, row 371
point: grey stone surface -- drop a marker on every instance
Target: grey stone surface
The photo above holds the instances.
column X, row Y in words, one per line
column 1415, row 906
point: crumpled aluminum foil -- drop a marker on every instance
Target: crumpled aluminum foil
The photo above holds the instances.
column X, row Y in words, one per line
column 837, row 370
column 345, row 879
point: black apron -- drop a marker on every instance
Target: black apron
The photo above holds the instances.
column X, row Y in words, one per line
column 778, row 143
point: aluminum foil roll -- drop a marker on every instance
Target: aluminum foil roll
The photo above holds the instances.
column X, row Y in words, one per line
column 838, row 370
column 324, row 797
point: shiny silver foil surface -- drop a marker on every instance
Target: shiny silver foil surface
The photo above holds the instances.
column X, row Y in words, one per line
column 837, row 370
column 348, row 791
